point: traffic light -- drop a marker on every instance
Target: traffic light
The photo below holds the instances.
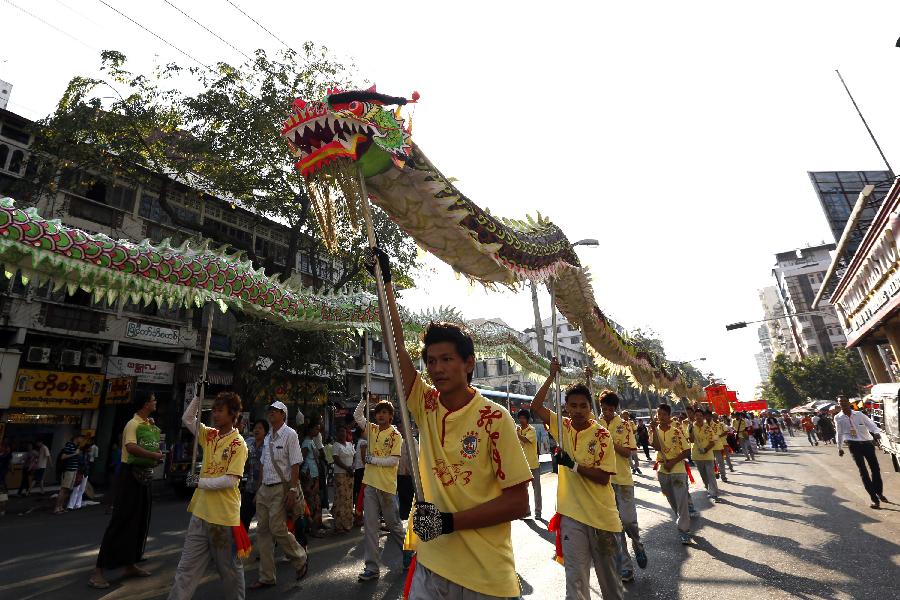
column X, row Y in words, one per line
column 738, row 325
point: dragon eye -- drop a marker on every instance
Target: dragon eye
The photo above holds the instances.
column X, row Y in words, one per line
column 357, row 108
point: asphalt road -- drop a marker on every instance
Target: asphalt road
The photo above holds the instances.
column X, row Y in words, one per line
column 794, row 525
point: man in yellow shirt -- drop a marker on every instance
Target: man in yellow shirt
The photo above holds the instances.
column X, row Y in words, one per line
column 474, row 473
column 635, row 463
column 719, row 450
column 672, row 448
column 703, row 440
column 623, row 483
column 528, row 439
column 585, row 498
column 380, row 478
column 216, row 504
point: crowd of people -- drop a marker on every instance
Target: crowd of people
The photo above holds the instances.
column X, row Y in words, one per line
column 476, row 464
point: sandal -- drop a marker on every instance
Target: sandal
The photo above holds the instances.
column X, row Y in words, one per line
column 260, row 585
column 302, row 571
column 99, row 585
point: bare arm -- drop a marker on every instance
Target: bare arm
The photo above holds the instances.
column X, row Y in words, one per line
column 537, row 404
column 594, row 474
column 511, row 504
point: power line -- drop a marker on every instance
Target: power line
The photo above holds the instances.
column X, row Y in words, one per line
column 210, row 31
column 258, row 24
column 52, row 26
column 156, row 35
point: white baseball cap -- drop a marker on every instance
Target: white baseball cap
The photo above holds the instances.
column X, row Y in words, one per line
column 278, row 405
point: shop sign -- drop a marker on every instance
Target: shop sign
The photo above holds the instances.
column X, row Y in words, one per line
column 57, row 389
column 152, row 333
column 146, row 371
column 119, row 390
column 32, row 419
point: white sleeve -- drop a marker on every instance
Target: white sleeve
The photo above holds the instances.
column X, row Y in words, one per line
column 189, row 418
column 292, row 445
column 223, row 482
column 359, row 416
column 385, row 461
column 870, row 424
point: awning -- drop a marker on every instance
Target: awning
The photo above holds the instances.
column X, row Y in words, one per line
column 190, row 374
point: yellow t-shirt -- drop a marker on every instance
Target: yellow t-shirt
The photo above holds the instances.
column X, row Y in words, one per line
column 721, row 434
column 703, row 436
column 578, row 497
column 623, row 436
column 468, row 457
column 224, row 455
column 672, row 443
column 129, row 434
column 530, row 447
column 383, row 444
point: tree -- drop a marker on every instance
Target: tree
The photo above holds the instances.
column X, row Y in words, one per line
column 817, row 377
column 221, row 139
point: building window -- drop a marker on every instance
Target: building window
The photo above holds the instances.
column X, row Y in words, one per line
column 12, row 132
column 85, row 209
column 122, row 197
column 16, row 160
column 4, row 154
column 76, row 319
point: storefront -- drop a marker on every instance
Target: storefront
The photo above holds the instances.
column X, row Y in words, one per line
column 867, row 299
column 52, row 406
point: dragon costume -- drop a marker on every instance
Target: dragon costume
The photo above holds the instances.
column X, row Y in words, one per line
column 351, row 141
column 43, row 251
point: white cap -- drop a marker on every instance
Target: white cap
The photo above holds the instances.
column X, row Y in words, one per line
column 278, row 405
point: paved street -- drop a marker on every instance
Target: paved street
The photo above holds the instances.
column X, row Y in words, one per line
column 793, row 525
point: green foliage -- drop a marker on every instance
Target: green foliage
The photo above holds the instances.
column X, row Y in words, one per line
column 816, row 377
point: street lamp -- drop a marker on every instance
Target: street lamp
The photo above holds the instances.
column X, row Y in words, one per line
column 742, row 324
column 587, row 242
column 692, row 360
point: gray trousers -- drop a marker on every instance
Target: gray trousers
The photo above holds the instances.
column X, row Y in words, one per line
column 271, row 527
column 428, row 585
column 536, row 485
column 721, row 457
column 378, row 504
column 747, row 447
column 205, row 542
column 583, row 546
column 635, row 462
column 675, row 488
column 708, row 475
column 628, row 516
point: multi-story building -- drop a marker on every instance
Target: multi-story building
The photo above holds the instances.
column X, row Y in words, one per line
column 777, row 326
column 798, row 276
column 765, row 356
column 571, row 350
column 838, row 191
column 115, row 349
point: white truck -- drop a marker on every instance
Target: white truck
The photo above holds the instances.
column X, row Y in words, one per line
column 885, row 408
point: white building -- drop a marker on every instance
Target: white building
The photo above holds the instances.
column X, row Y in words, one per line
column 798, row 276
column 571, row 350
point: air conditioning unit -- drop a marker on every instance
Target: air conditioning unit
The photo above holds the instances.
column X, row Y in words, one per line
column 71, row 358
column 36, row 354
column 92, row 359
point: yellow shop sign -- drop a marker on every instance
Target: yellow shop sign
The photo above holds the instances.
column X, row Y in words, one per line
column 56, row 389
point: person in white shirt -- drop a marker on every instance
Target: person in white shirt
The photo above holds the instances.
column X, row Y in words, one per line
column 856, row 429
column 278, row 492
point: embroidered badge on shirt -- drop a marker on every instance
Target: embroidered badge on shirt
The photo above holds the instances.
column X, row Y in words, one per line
column 469, row 448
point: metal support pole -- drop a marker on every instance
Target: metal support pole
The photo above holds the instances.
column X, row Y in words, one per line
column 368, row 377
column 559, row 415
column 588, row 379
column 507, row 384
column 391, row 346
column 209, row 325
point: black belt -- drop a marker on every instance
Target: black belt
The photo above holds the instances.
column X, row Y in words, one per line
column 274, row 484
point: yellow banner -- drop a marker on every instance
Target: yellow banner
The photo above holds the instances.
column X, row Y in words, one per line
column 56, row 389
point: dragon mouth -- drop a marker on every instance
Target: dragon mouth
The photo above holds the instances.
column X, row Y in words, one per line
column 320, row 141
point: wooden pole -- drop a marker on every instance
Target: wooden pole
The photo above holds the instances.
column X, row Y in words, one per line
column 559, row 415
column 588, row 379
column 389, row 342
column 209, row 324
column 368, row 379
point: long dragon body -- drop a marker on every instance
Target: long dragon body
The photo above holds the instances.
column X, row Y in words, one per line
column 43, row 250
column 351, row 135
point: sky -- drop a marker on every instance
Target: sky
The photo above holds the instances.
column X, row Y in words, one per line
column 679, row 134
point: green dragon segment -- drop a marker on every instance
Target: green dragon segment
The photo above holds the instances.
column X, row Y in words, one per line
column 191, row 275
column 351, row 135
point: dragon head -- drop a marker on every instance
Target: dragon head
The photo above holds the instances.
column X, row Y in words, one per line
column 350, row 125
